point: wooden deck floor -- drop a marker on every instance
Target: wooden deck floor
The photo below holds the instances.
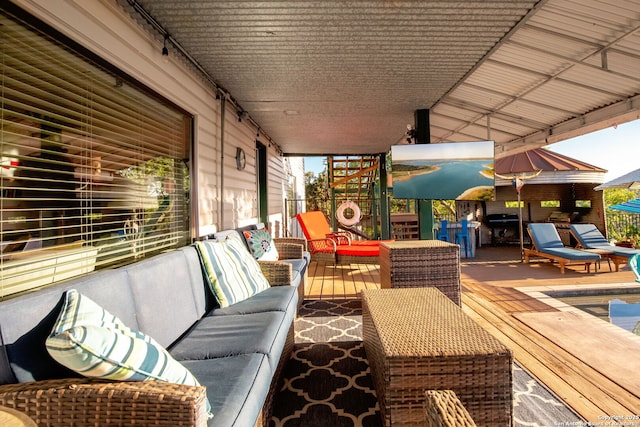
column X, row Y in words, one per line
column 592, row 367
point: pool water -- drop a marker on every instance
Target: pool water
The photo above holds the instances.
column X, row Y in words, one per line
column 621, row 308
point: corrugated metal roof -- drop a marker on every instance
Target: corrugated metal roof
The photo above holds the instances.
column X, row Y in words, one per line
column 565, row 71
column 630, row 180
column 524, row 73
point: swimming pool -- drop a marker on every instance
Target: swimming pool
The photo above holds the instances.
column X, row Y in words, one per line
column 620, row 307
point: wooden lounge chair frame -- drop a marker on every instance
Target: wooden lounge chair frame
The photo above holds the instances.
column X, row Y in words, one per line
column 561, row 260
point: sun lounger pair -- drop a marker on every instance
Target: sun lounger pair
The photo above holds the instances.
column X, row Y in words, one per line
column 547, row 244
column 589, row 237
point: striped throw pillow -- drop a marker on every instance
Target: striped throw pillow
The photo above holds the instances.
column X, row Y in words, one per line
column 89, row 340
column 232, row 273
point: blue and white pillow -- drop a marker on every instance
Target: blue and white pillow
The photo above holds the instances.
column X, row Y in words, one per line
column 261, row 245
column 232, row 273
column 89, row 340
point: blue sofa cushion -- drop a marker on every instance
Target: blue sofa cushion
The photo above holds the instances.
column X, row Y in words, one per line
column 298, row 266
column 26, row 321
column 276, row 298
column 232, row 273
column 237, row 387
column 91, row 341
column 224, row 336
column 164, row 298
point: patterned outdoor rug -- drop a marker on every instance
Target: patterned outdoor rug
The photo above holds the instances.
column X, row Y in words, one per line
column 328, row 383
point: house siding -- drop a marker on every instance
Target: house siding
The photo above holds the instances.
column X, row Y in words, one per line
column 223, row 197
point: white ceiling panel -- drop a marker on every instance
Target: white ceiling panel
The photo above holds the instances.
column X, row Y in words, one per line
column 354, row 72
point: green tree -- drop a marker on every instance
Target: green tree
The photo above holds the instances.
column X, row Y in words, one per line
column 317, row 191
column 613, row 196
column 618, row 226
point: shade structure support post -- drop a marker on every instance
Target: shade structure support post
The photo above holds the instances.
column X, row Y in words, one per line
column 520, row 228
column 385, row 212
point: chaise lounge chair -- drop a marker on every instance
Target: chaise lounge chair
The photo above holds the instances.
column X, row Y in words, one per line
column 336, row 247
column 547, row 244
column 589, row 237
column 633, row 264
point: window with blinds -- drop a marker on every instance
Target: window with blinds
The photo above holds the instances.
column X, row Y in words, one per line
column 94, row 167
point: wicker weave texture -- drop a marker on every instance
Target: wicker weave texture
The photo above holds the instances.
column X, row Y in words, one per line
column 324, row 257
column 421, row 263
column 353, row 259
column 267, row 408
column 87, row 402
column 444, row 409
column 416, row 339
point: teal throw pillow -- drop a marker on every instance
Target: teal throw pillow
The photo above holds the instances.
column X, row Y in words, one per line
column 261, row 245
column 89, row 340
column 231, row 271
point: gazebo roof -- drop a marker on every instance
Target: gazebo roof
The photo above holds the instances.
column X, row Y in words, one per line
column 541, row 159
column 555, row 169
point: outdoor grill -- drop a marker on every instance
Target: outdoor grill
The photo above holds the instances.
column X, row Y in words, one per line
column 504, row 227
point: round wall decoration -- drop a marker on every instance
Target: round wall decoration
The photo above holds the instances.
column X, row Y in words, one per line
column 241, row 159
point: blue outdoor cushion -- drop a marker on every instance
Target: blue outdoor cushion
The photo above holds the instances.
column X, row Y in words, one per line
column 276, row 298
column 298, row 266
column 572, row 254
column 236, row 387
column 91, row 341
column 545, row 236
column 224, row 336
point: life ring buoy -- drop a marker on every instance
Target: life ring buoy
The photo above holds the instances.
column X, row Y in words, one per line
column 348, row 221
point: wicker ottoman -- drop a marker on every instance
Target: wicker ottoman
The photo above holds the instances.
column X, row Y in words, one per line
column 444, row 409
column 420, row 263
column 416, row 339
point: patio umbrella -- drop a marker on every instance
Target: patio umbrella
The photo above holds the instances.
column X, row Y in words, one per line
column 630, row 181
column 632, row 206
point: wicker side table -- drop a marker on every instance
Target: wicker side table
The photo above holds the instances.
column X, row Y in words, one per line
column 420, row 263
column 416, row 339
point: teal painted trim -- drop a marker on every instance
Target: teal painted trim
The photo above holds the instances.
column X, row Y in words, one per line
column 263, row 187
column 385, row 213
column 425, row 219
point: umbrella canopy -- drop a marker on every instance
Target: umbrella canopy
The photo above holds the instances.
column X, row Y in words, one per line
column 632, row 206
column 630, row 181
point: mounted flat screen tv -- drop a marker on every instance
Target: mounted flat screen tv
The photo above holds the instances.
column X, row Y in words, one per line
column 444, row 171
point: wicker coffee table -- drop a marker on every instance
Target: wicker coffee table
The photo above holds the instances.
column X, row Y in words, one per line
column 416, row 339
column 420, row 263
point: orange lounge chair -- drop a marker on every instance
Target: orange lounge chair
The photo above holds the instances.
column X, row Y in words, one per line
column 337, row 247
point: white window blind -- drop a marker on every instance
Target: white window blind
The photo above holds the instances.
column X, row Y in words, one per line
column 94, row 168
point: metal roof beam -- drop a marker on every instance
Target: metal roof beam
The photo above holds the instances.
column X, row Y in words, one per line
column 611, row 115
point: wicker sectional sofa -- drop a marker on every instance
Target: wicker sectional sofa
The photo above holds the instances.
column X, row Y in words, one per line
column 237, row 353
